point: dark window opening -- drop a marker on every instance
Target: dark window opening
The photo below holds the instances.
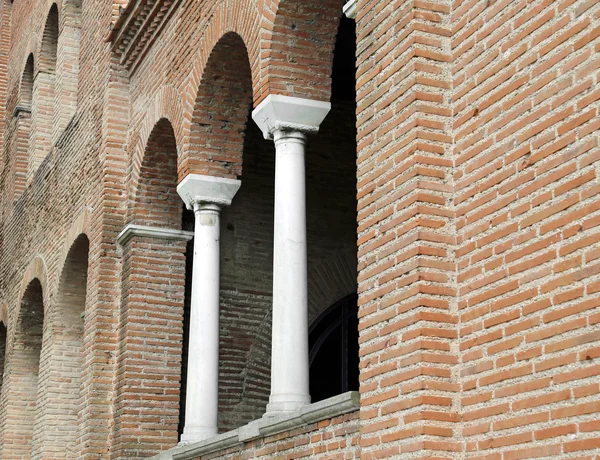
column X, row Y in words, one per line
column 333, row 343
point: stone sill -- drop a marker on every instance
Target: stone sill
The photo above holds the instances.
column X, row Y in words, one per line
column 267, row 426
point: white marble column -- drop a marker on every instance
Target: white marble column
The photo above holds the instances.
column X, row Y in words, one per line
column 286, row 120
column 205, row 195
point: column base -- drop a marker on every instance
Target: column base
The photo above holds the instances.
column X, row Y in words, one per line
column 197, row 434
column 282, row 404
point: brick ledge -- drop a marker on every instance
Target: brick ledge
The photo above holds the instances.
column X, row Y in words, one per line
column 267, row 426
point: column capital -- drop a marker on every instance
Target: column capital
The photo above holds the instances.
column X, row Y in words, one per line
column 132, row 230
column 350, row 9
column 288, row 113
column 198, row 188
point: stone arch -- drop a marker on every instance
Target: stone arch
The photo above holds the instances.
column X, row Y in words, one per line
column 299, row 54
column 44, row 85
column 220, row 111
column 60, row 376
column 155, row 201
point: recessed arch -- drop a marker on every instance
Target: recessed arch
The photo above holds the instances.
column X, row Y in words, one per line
column 60, row 377
column 155, row 199
column 167, row 104
column 49, row 44
column 221, row 112
column 44, row 92
column 24, row 139
column 67, row 66
column 26, row 86
column 22, row 381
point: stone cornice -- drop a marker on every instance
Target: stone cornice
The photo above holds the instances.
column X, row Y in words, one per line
column 20, row 109
column 137, row 27
column 132, row 230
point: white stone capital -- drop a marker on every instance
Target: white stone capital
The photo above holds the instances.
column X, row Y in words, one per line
column 288, row 113
column 349, row 9
column 198, row 188
column 132, row 230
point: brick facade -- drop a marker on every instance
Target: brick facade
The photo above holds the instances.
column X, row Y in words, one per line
column 454, row 186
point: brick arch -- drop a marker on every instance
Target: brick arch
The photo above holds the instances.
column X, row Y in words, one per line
column 331, row 281
column 44, row 91
column 167, row 104
column 26, row 84
column 220, row 112
column 67, row 65
column 38, row 39
column 241, row 18
column 35, row 270
column 47, row 47
column 301, row 40
column 81, row 225
column 62, row 357
column 154, row 199
column 24, row 354
column 24, row 143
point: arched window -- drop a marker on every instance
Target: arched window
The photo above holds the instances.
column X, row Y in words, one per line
column 333, row 344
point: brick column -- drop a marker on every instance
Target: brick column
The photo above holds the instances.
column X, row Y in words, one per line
column 406, row 234
column 150, row 338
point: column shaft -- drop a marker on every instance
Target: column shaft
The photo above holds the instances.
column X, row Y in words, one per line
column 203, row 362
column 289, row 365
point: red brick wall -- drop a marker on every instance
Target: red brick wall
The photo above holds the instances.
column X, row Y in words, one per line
column 336, row 438
column 477, row 163
column 526, row 176
column 407, row 279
